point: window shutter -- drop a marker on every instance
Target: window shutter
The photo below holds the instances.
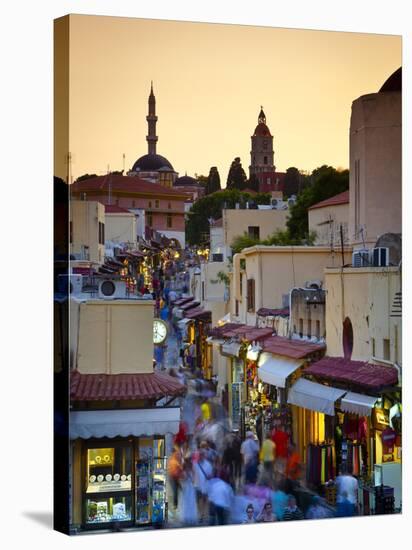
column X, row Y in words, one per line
column 251, row 295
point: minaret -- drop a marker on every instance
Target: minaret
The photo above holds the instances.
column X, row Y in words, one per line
column 151, row 123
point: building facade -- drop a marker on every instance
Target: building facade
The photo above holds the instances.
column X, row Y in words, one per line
column 87, row 231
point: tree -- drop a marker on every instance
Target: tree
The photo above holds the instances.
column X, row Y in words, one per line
column 292, row 181
column 278, row 238
column 253, row 183
column 326, row 182
column 211, row 206
column 213, row 181
column 202, row 180
column 236, row 178
column 86, row 177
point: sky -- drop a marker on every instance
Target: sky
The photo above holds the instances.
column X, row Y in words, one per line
column 210, row 81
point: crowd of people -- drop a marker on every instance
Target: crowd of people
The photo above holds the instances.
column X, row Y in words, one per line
column 215, row 477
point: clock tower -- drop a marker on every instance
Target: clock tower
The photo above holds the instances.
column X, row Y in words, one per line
column 261, row 155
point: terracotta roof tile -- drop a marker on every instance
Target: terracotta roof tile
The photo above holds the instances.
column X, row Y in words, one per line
column 342, row 198
column 132, row 184
column 110, row 387
column 359, row 373
column 295, row 349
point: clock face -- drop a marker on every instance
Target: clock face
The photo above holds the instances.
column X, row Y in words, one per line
column 159, row 331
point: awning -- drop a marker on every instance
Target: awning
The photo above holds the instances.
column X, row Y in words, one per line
column 124, row 423
column 231, row 348
column 315, row 397
column 358, row 403
column 274, row 369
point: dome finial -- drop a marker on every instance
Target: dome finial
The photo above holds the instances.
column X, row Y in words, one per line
column 262, row 117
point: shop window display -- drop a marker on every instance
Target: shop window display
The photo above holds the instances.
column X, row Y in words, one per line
column 109, row 469
column 108, row 509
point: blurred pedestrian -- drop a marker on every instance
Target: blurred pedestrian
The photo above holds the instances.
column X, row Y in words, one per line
column 175, row 470
column 267, row 457
column 250, row 451
column 203, row 472
column 266, row 514
column 221, row 498
column 279, row 500
column 188, row 505
column 347, row 484
column 292, row 511
column 250, row 514
column 316, row 510
column 344, row 507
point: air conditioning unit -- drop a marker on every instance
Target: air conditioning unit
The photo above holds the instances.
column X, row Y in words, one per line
column 360, row 258
column 274, row 202
column 70, row 284
column 291, row 202
column 380, row 256
column 110, row 290
column 316, row 284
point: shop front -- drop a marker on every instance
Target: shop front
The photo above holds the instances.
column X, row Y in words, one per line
column 121, row 481
column 355, row 433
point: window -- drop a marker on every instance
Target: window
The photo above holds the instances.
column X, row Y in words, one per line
column 101, row 233
column 386, row 349
column 117, row 202
column 203, row 291
column 251, row 295
column 309, row 331
column 373, row 347
column 254, row 232
column 133, row 204
column 149, row 219
column 149, row 205
column 347, row 338
column 156, row 203
column 109, row 469
column 268, row 181
column 236, row 307
column 265, row 145
column 169, row 205
column 169, row 221
column 357, row 197
column 301, row 328
column 241, row 285
column 70, row 232
column 318, row 329
column 265, row 160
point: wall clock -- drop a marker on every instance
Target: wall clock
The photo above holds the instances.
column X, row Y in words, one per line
column 159, row 331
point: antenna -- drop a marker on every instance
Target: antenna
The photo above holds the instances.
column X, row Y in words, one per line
column 124, row 162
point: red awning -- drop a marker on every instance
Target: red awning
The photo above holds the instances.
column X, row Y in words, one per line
column 198, row 313
column 295, row 349
column 359, row 373
column 245, row 332
column 189, row 305
column 182, row 301
column 114, row 387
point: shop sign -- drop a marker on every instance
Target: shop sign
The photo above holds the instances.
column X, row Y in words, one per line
column 236, row 403
column 108, row 486
column 380, row 418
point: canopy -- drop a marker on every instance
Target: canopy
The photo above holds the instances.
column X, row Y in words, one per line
column 232, row 348
column 358, row 403
column 315, row 397
column 274, row 369
column 126, row 422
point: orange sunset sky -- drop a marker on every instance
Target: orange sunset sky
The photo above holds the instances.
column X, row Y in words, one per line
column 210, row 81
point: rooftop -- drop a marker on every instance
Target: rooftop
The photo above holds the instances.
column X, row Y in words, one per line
column 115, row 387
column 122, row 184
column 342, row 198
column 360, row 373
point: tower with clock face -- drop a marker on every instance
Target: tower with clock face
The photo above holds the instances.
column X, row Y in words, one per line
column 261, row 155
column 159, row 331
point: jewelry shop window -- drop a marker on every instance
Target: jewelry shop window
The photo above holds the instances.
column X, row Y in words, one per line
column 109, row 484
